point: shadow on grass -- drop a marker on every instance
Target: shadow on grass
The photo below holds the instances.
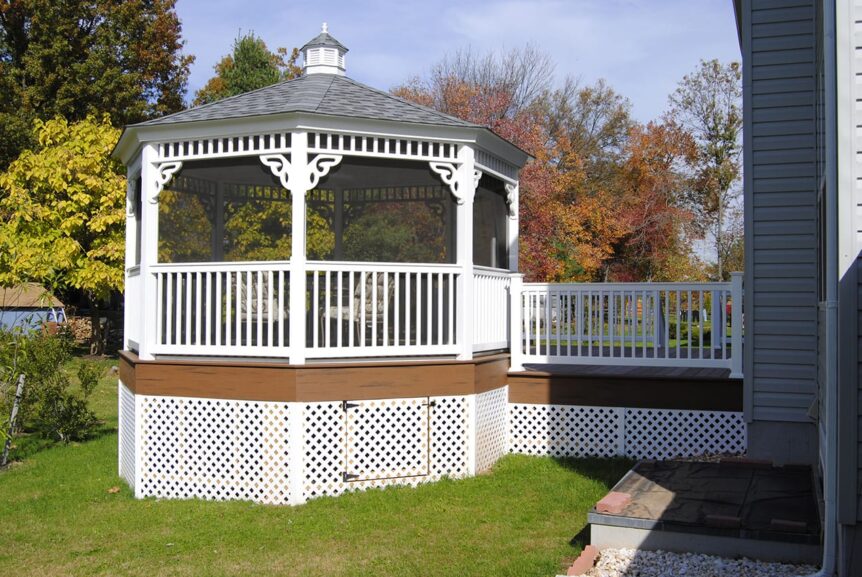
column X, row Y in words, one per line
column 30, row 443
column 605, row 471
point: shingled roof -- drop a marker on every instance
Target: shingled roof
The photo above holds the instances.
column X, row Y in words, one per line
column 328, row 94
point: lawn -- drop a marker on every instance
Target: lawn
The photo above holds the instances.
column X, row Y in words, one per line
column 59, row 516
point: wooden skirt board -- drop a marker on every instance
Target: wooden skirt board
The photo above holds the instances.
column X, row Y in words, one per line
column 693, row 389
column 275, row 381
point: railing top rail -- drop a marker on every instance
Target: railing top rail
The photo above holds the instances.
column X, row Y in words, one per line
column 380, row 266
column 630, row 286
column 492, row 271
column 214, row 266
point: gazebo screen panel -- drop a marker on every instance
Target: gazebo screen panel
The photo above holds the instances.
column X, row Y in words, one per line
column 489, row 224
column 384, row 211
column 224, row 210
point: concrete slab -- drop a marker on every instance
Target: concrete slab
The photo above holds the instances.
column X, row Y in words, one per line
column 690, row 505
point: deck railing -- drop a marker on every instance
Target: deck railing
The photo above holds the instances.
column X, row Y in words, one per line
column 376, row 310
column 643, row 324
column 490, row 299
column 222, row 309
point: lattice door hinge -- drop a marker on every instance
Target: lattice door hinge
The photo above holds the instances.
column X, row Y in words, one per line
column 430, row 404
column 348, row 476
column 345, row 405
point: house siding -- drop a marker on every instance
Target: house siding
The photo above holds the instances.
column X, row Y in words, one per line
column 780, row 204
column 849, row 120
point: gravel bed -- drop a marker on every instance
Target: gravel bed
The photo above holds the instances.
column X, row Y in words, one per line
column 637, row 563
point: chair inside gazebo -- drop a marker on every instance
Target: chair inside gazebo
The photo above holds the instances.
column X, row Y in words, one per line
column 380, row 256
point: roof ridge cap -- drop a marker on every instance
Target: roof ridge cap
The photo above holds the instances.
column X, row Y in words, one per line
column 325, row 92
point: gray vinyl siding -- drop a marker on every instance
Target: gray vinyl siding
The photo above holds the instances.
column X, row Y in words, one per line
column 849, row 113
column 780, row 205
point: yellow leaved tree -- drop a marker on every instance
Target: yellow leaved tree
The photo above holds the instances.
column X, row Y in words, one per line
column 62, row 210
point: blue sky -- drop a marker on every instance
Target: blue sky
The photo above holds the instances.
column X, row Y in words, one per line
column 641, row 47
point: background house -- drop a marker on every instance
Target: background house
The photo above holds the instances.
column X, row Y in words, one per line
column 29, row 305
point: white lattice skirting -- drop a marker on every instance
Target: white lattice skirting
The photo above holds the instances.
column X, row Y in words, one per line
column 578, row 431
column 287, row 453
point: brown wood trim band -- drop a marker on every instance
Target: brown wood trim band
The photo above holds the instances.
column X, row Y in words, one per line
column 264, row 381
column 630, row 391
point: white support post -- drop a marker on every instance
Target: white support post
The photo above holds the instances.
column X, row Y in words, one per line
column 149, row 251
column 299, row 184
column 736, row 323
column 516, row 351
column 513, row 193
column 131, row 310
column 466, row 186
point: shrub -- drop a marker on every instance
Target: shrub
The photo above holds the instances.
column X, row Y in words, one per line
column 50, row 406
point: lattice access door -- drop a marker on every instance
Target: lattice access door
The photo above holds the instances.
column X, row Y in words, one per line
column 386, row 439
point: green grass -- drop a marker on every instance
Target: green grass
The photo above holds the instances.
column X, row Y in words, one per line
column 57, row 517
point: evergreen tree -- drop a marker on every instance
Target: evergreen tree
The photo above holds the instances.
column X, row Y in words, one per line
column 251, row 65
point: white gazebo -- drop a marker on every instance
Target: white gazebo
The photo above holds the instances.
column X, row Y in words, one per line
column 307, row 264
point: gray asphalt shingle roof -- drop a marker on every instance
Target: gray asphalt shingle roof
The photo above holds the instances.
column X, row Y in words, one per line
column 328, row 94
column 324, row 39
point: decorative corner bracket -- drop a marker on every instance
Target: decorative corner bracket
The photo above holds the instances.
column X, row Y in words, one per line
column 164, row 173
column 320, row 167
column 448, row 173
column 512, row 199
column 279, row 165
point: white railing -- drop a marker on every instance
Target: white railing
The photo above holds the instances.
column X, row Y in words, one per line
column 132, row 308
column 490, row 303
column 644, row 324
column 222, row 309
column 376, row 310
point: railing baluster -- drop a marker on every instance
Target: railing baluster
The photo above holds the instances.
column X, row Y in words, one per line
column 407, row 309
column 228, row 304
column 429, row 319
column 385, row 309
column 374, row 309
column 315, row 304
column 396, row 332
column 270, row 317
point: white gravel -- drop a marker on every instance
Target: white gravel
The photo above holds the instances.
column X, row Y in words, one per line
column 637, row 563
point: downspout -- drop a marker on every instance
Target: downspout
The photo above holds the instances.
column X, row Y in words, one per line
column 830, row 391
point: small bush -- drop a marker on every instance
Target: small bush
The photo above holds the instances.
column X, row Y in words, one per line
column 50, row 406
column 88, row 377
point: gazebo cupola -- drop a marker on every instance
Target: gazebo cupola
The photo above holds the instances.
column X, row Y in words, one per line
column 323, row 54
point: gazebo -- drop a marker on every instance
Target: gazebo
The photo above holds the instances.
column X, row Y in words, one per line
column 317, row 291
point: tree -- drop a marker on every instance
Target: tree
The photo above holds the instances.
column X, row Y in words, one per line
column 250, row 66
column 62, row 210
column 568, row 212
column 75, row 58
column 653, row 183
column 708, row 104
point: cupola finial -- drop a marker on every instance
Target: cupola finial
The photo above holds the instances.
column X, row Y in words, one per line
column 323, row 54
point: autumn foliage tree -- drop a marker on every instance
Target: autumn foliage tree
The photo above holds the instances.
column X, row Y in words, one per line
column 77, row 58
column 657, row 223
column 568, row 217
